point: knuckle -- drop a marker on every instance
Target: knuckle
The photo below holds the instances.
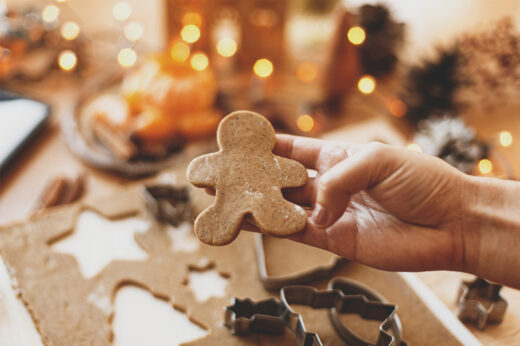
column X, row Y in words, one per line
column 376, row 150
column 333, row 153
column 325, row 183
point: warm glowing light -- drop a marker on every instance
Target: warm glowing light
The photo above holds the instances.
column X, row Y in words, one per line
column 50, row 13
column 122, row 11
column 61, row 1
column 199, row 61
column 306, row 72
column 192, row 18
column 227, row 47
column 133, row 31
column 180, row 51
column 414, row 147
column 127, row 57
column 397, row 108
column 190, row 33
column 67, row 60
column 263, row 68
column 356, row 35
column 505, row 138
column 366, row 84
column 305, row 122
column 485, row 166
column 70, row 30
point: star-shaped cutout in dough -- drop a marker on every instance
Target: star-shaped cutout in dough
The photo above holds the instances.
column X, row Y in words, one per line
column 97, row 241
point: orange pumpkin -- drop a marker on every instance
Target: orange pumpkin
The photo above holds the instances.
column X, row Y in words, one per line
column 174, row 88
column 199, row 125
column 154, row 125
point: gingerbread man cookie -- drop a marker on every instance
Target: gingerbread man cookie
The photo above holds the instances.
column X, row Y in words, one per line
column 247, row 178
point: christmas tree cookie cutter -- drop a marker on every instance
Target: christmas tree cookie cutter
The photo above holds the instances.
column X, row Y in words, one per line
column 479, row 301
column 276, row 282
column 344, row 296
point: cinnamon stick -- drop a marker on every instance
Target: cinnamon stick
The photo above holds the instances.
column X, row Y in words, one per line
column 52, row 194
column 116, row 141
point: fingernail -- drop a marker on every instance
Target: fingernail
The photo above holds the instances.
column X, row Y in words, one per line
column 319, row 216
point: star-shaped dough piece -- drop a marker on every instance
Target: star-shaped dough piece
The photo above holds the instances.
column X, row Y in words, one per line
column 247, row 178
column 97, row 241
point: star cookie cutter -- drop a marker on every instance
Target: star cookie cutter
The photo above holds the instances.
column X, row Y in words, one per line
column 271, row 316
column 276, row 282
column 479, row 301
column 169, row 203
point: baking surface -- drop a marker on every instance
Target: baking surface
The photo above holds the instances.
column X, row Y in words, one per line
column 57, row 295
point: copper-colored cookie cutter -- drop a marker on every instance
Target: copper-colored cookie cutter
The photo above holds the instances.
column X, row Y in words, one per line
column 169, row 203
column 277, row 282
column 344, row 296
column 479, row 301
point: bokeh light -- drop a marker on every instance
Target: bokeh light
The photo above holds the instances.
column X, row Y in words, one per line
column 306, row 72
column 127, row 57
column 50, row 13
column 61, row 1
column 179, row 51
column 190, row 33
column 356, row 35
column 414, row 147
column 305, row 122
column 67, row 60
column 397, row 108
column 133, row 31
column 263, row 68
column 226, row 47
column 199, row 61
column 505, row 138
column 367, row 84
column 192, row 18
column 70, row 30
column 485, row 166
column 122, row 11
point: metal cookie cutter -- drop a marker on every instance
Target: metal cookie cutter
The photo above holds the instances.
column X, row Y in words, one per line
column 479, row 301
column 169, row 203
column 277, row 282
column 373, row 307
column 270, row 316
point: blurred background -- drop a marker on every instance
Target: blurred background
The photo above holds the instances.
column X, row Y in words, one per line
column 124, row 90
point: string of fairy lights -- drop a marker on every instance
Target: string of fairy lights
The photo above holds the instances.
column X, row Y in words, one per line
column 181, row 50
column 70, row 30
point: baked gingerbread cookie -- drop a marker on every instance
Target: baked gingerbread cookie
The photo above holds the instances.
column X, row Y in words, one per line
column 247, row 178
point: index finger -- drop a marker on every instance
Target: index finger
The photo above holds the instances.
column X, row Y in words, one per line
column 302, row 149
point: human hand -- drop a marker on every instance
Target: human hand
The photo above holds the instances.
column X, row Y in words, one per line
column 383, row 206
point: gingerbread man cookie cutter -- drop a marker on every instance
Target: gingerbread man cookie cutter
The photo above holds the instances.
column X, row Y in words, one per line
column 247, row 178
column 271, row 316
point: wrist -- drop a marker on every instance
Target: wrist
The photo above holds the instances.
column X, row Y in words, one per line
column 490, row 220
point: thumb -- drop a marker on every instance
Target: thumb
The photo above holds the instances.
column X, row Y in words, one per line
column 367, row 167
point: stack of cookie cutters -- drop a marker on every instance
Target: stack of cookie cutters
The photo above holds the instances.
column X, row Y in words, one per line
column 343, row 296
column 479, row 301
column 169, row 203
